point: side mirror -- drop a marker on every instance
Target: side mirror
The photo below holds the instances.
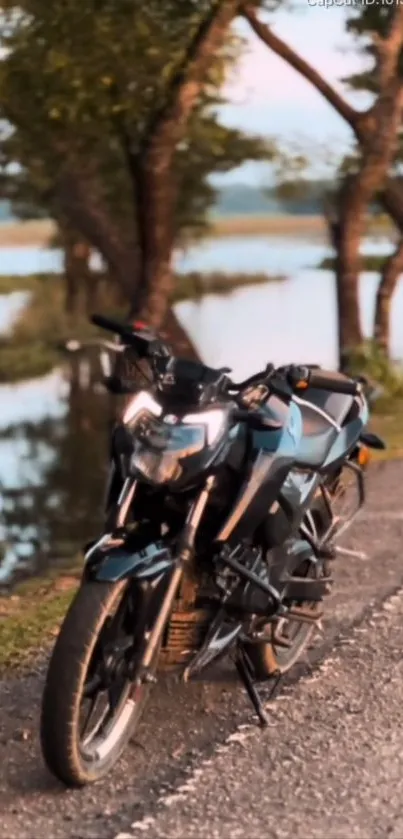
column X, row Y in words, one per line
column 372, row 441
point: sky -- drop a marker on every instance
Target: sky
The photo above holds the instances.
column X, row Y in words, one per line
column 268, row 97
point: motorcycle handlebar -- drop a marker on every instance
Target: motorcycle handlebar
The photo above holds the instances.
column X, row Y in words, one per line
column 297, row 378
column 257, row 379
column 301, row 378
column 74, row 346
column 146, row 345
column 110, row 325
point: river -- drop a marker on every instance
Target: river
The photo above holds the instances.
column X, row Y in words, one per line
column 52, row 443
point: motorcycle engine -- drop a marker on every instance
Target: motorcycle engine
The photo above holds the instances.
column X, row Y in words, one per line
column 273, row 567
column 244, row 595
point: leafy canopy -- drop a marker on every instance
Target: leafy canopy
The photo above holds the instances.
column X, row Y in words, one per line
column 82, row 78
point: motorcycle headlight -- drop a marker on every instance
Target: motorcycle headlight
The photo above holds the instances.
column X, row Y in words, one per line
column 160, row 448
column 161, row 444
column 214, row 422
column 143, row 401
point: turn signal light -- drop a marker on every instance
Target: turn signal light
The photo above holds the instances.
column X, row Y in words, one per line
column 364, row 456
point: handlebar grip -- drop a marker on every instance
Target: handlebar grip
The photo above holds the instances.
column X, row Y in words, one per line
column 336, row 384
column 256, row 379
column 140, row 344
column 109, row 324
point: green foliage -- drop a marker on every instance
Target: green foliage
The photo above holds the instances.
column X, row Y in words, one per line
column 81, row 82
column 363, row 21
column 303, row 174
column 31, row 349
column 372, row 362
column 369, row 262
column 32, row 626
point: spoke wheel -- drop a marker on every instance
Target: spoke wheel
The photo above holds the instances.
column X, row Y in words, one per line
column 285, row 639
column 90, row 707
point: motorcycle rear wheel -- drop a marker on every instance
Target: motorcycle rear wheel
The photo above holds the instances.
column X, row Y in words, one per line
column 268, row 657
column 81, row 668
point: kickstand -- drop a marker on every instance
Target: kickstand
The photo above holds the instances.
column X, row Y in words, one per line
column 244, row 671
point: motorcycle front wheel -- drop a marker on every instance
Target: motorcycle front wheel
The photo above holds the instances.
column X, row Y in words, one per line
column 90, row 707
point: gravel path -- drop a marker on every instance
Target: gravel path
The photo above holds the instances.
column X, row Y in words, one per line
column 329, row 766
column 301, row 762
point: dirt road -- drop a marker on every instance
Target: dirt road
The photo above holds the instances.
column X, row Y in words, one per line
column 328, row 766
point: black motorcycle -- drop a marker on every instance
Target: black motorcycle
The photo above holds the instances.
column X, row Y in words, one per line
column 218, row 538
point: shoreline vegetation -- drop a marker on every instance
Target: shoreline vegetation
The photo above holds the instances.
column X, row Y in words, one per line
column 31, row 614
column 369, row 262
column 41, row 233
column 29, row 350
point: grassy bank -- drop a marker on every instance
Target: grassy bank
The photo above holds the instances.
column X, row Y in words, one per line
column 30, row 349
column 30, row 618
column 387, row 421
column 369, row 262
column 40, row 233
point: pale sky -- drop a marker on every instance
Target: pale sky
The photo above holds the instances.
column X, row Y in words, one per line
column 268, row 97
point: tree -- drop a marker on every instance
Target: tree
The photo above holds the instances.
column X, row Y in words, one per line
column 376, row 131
column 115, row 125
column 374, row 20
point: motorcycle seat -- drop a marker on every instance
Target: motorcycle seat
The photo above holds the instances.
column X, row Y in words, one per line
column 318, row 438
column 337, row 405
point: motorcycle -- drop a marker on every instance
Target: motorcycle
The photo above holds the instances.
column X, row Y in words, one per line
column 218, row 539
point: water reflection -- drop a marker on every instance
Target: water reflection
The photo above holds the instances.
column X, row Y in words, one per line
column 53, row 493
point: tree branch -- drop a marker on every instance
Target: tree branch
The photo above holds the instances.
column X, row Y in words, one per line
column 78, row 197
column 186, row 82
column 388, row 49
column 277, row 45
column 391, row 199
column 392, row 270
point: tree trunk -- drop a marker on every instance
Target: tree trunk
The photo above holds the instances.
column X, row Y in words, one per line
column 91, row 293
column 156, row 185
column 76, row 255
column 345, row 239
column 391, row 199
column 77, row 193
column 72, row 287
column 173, row 332
column 376, row 131
column 392, row 271
column 347, row 280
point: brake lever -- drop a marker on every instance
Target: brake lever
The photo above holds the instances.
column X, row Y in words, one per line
column 280, row 387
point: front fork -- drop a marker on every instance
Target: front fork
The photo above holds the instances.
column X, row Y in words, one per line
column 184, row 557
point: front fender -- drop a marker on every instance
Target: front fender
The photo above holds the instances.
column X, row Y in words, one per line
column 114, row 560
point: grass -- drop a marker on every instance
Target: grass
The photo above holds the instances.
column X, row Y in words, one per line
column 30, row 349
column 369, row 262
column 387, row 411
column 30, row 618
column 387, row 422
